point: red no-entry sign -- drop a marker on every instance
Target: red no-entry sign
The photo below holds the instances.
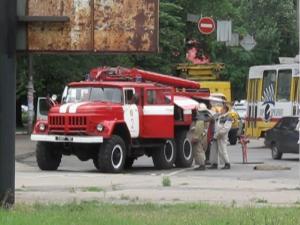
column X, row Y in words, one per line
column 206, row 25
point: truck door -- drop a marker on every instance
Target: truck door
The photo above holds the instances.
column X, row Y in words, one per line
column 131, row 113
column 158, row 113
column 291, row 135
column 42, row 109
column 252, row 111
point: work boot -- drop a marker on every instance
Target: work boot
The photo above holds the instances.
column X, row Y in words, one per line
column 226, row 167
column 214, row 166
column 202, row 167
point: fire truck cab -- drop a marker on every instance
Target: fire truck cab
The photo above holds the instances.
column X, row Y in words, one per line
column 115, row 122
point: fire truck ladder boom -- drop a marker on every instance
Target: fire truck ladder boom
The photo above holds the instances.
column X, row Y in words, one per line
column 123, row 74
column 163, row 79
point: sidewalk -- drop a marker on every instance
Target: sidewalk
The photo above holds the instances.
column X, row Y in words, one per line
column 24, row 146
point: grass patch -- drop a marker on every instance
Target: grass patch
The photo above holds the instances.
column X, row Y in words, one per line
column 125, row 197
column 19, row 189
column 100, row 213
column 92, row 189
column 166, row 181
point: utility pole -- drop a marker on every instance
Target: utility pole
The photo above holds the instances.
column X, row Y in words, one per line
column 8, row 24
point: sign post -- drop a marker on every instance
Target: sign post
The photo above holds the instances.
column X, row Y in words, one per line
column 8, row 24
column 206, row 25
column 248, row 43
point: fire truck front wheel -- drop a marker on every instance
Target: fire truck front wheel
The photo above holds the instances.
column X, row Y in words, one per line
column 129, row 162
column 47, row 156
column 184, row 150
column 164, row 157
column 111, row 156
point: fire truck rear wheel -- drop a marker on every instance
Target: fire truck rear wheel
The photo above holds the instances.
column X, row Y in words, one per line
column 112, row 154
column 184, row 150
column 164, row 157
column 47, row 156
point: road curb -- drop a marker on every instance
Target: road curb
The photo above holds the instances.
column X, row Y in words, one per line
column 22, row 133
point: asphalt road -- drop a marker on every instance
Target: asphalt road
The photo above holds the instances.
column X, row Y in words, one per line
column 242, row 184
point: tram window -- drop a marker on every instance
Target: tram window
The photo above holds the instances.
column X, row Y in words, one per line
column 284, row 85
column 269, row 84
column 296, row 96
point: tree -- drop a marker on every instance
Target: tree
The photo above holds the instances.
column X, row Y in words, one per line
column 21, row 88
column 271, row 22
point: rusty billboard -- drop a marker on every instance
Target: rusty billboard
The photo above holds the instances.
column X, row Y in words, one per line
column 93, row 26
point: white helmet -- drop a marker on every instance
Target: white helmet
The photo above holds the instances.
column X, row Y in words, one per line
column 202, row 107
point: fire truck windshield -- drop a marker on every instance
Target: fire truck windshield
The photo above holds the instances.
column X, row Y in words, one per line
column 94, row 94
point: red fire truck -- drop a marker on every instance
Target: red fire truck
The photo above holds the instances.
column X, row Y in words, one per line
column 118, row 115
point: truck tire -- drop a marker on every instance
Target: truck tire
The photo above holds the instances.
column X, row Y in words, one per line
column 111, row 156
column 165, row 156
column 184, row 147
column 232, row 137
column 129, row 162
column 47, row 157
column 96, row 163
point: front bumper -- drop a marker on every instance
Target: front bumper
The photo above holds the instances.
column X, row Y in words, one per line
column 66, row 139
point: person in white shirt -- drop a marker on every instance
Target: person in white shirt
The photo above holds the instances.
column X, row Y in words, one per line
column 219, row 147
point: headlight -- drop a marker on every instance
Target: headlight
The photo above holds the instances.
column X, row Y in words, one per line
column 100, row 127
column 42, row 127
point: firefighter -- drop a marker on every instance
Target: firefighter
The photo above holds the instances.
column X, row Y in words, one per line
column 198, row 135
column 219, row 146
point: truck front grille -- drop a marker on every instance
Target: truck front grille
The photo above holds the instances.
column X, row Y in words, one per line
column 56, row 120
column 66, row 124
column 77, row 120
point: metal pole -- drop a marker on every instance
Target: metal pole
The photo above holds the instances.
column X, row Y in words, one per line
column 7, row 101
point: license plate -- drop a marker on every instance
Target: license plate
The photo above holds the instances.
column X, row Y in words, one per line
column 64, row 138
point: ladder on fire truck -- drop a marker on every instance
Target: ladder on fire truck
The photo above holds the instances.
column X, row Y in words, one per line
column 183, row 87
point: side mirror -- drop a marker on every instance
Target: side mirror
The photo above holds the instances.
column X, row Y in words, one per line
column 52, row 101
column 54, row 97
